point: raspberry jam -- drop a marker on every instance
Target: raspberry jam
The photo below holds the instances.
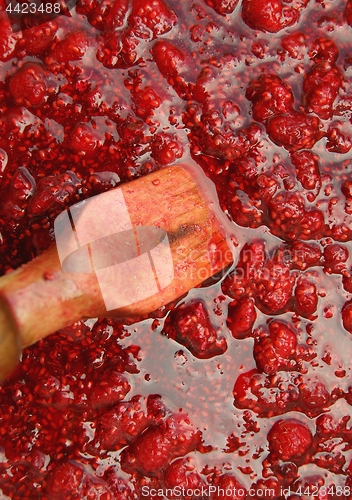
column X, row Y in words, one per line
column 241, row 389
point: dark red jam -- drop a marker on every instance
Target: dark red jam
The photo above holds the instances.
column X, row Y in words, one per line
column 243, row 388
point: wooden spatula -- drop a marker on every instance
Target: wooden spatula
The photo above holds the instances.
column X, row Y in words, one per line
column 121, row 254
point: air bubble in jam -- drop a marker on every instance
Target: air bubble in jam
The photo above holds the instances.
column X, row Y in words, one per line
column 244, row 382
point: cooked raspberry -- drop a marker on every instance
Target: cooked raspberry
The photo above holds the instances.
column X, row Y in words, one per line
column 348, row 12
column 306, row 299
column 295, row 45
column 166, row 148
column 190, row 326
column 335, row 258
column 314, row 394
column 19, row 194
column 307, row 170
column 312, row 223
column 53, row 193
column 321, row 86
column 347, row 316
column 105, row 14
column 294, row 131
column 222, row 7
column 248, row 166
column 72, row 47
column 304, row 255
column 27, row 85
column 182, row 434
column 250, row 263
column 168, row 57
column 226, row 483
column 273, row 350
column 172, row 62
column 268, row 15
column 37, row 37
column 153, row 16
column 286, row 210
column 121, row 425
column 324, row 49
column 151, row 451
column 241, row 317
column 270, row 96
column 274, row 288
column 289, row 439
column 338, row 142
column 182, row 473
column 108, row 388
column 65, row 482
column 84, row 139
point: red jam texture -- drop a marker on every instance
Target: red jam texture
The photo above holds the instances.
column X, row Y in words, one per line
column 244, row 384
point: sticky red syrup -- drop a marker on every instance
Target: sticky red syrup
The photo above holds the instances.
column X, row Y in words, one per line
column 241, row 389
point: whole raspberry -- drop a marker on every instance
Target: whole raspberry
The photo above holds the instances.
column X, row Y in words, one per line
column 295, row 45
column 104, row 15
column 241, row 317
column 304, row 255
column 250, row 264
column 84, row 139
column 173, row 65
column 222, row 7
column 335, row 258
column 166, row 148
column 151, row 16
column 65, row 481
column 272, row 351
column 321, row 86
column 290, row 440
column 307, row 170
column 27, row 85
column 274, row 287
column 286, row 210
column 306, row 299
column 72, row 48
column 151, row 451
column 121, row 425
column 270, row 96
column 268, row 15
column 294, row 131
column 324, row 49
column 190, row 325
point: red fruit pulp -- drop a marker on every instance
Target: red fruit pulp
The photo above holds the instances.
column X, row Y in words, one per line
column 245, row 383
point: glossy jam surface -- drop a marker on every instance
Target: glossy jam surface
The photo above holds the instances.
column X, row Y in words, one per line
column 243, row 385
